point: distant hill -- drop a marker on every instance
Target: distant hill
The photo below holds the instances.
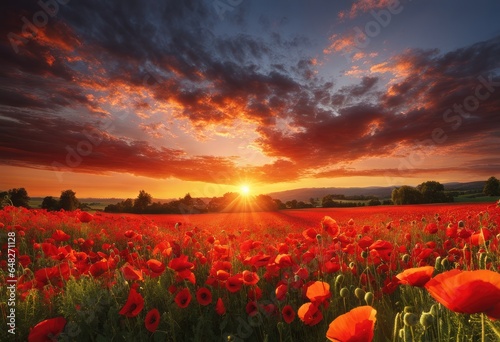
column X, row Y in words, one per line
column 304, row 194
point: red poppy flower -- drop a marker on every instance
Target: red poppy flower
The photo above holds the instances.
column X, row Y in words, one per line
column 84, row 217
column 318, row 292
column 204, row 296
column 310, row 234
column 131, row 273
column 417, row 276
column 250, row 278
column 220, row 308
column 356, row 325
column 310, row 314
column 251, row 308
column 183, row 298
column 283, row 260
column 468, row 291
column 281, row 291
column 59, row 235
column 134, row 304
column 480, row 237
column 156, row 267
column 47, row 330
column 152, row 320
column 330, row 226
column 288, row 314
column 233, row 284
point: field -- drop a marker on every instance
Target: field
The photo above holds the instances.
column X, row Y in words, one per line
column 386, row 273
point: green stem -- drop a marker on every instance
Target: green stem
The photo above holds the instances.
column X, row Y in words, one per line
column 483, row 339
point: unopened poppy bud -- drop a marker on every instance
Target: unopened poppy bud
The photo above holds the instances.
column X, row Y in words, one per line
column 352, row 265
column 434, row 309
column 405, row 258
column 445, row 263
column 364, row 254
column 339, row 279
column 369, row 298
column 408, row 309
column 359, row 293
column 344, row 292
column 318, row 237
column 461, row 224
column 410, row 319
column 437, row 264
column 426, row 319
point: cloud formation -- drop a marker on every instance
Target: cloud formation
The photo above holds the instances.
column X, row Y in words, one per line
column 104, row 97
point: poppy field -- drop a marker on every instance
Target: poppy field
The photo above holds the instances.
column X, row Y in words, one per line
column 387, row 273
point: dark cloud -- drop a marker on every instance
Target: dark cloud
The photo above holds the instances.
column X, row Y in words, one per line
column 302, row 120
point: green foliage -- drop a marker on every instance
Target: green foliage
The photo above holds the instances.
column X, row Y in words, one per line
column 19, row 197
column 492, row 187
column 68, row 200
column 50, row 203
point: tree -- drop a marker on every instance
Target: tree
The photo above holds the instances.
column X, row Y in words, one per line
column 433, row 192
column 68, row 200
column 492, row 187
column 19, row 197
column 142, row 201
column 4, row 199
column 50, row 203
column 407, row 195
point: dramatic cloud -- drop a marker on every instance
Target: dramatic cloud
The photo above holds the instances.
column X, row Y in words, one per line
column 149, row 89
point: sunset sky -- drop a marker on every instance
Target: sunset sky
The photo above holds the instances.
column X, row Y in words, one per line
column 111, row 97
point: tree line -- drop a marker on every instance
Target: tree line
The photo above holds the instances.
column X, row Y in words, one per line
column 427, row 192
column 231, row 202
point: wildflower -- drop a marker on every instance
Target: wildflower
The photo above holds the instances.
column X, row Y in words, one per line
column 152, row 320
column 134, row 304
column 330, row 226
column 310, row 314
column 467, row 291
column 220, row 308
column 47, row 330
column 417, row 276
column 204, row 296
column 356, row 325
column 183, row 298
column 288, row 314
column 318, row 292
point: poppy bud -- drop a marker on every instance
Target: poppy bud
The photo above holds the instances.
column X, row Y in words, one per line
column 344, row 292
column 359, row 293
column 461, row 224
column 369, row 298
column 426, row 319
column 318, row 237
column 364, row 254
column 339, row 279
column 405, row 258
column 437, row 264
column 434, row 309
column 410, row 319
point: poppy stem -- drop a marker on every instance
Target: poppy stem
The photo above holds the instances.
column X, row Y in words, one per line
column 483, row 337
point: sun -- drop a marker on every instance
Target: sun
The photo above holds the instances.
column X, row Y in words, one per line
column 245, row 190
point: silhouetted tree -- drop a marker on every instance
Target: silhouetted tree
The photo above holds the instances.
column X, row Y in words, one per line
column 19, row 197
column 50, row 203
column 68, row 200
column 142, row 201
column 407, row 195
column 492, row 187
column 433, row 192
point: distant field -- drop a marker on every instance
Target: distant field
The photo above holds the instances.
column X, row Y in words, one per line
column 474, row 199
